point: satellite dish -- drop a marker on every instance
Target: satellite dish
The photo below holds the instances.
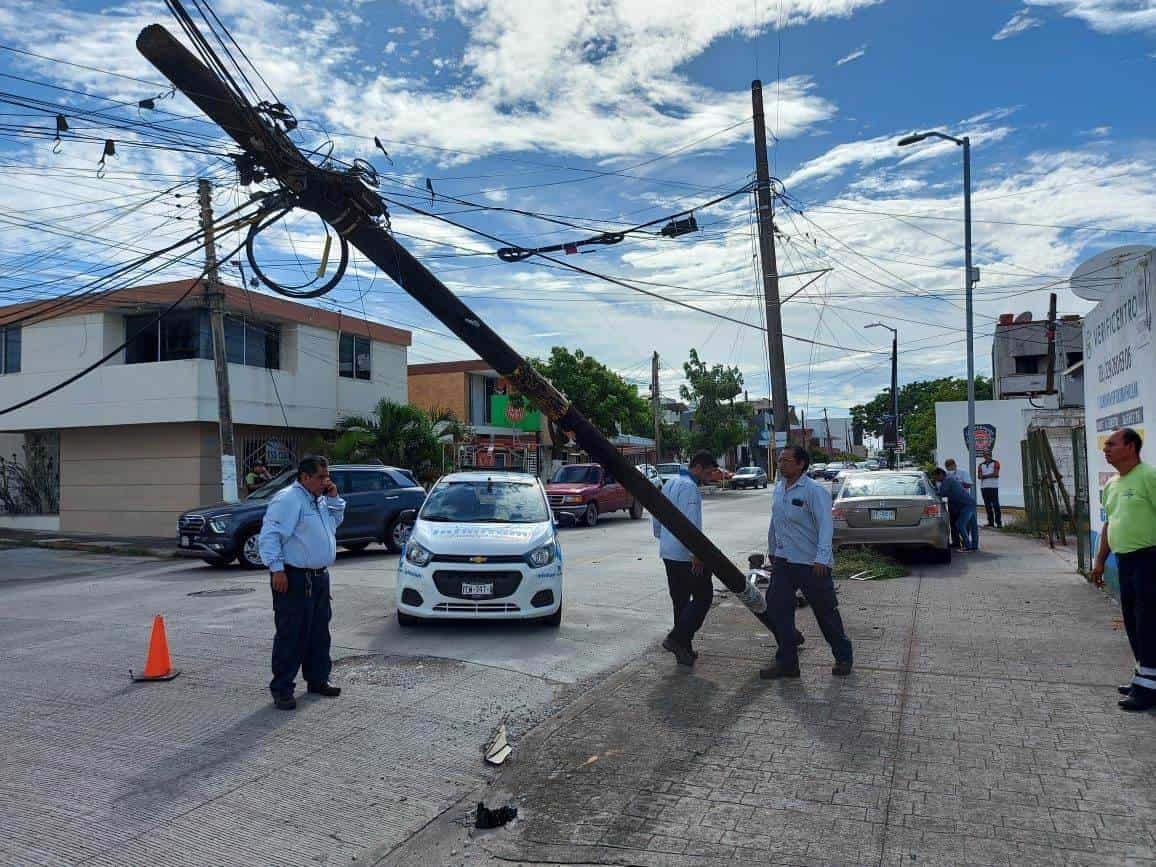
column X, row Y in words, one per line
column 1024, row 318
column 1104, row 273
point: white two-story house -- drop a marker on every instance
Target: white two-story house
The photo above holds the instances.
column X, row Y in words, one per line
column 128, row 447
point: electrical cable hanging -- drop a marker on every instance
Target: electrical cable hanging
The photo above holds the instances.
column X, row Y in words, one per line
column 269, row 217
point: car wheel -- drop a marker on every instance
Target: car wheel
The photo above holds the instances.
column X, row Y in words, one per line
column 250, row 557
column 942, row 555
column 396, row 535
column 404, row 619
column 356, row 546
column 217, row 562
column 554, row 619
column 590, row 516
column 636, row 510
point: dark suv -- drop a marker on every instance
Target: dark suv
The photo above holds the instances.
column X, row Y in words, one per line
column 375, row 497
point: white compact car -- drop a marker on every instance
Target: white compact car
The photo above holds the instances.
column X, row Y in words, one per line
column 482, row 546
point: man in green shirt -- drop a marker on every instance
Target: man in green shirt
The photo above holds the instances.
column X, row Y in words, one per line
column 1129, row 501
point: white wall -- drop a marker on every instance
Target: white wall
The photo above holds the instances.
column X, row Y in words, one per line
column 181, row 391
column 1008, row 418
column 1119, row 375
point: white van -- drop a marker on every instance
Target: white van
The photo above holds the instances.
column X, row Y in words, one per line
column 482, row 546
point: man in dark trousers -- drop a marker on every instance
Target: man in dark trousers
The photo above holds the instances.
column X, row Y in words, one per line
column 298, row 544
column 988, row 473
column 799, row 540
column 690, row 586
column 1129, row 501
column 960, row 508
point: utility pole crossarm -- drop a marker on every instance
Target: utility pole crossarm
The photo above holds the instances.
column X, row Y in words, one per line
column 344, row 201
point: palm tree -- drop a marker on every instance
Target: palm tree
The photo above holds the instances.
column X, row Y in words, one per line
column 397, row 434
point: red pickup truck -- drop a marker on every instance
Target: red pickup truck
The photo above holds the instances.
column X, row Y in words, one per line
column 582, row 492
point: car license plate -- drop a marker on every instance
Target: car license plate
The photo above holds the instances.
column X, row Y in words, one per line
column 882, row 514
column 185, row 542
column 477, row 589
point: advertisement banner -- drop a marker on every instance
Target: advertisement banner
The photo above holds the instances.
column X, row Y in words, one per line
column 1119, row 378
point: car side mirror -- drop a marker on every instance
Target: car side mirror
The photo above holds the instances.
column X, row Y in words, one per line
column 408, row 516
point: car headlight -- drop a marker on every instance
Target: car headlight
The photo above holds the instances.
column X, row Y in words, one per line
column 574, row 498
column 219, row 524
column 417, row 555
column 543, row 556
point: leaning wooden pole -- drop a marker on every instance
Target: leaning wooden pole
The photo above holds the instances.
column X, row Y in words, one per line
column 354, row 211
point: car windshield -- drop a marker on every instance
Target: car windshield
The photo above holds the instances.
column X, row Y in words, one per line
column 747, row 471
column 669, row 469
column 488, row 502
column 883, row 486
column 267, row 490
column 576, row 475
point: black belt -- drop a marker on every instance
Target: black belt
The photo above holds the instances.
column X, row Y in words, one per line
column 309, row 574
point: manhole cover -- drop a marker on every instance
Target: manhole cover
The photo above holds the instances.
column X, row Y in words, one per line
column 224, row 591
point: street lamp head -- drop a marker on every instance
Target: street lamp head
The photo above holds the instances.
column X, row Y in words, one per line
column 914, row 138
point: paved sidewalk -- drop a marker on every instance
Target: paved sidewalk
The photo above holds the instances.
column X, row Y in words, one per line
column 94, row 543
column 980, row 727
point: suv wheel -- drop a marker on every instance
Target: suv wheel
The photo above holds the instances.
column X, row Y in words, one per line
column 396, row 535
column 250, row 556
column 636, row 510
column 590, row 516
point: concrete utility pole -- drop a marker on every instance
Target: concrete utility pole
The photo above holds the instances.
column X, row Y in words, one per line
column 657, row 402
column 215, row 301
column 1050, row 387
column 357, row 212
column 778, row 384
column 827, row 424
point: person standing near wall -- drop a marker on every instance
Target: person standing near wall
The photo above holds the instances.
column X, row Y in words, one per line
column 988, row 473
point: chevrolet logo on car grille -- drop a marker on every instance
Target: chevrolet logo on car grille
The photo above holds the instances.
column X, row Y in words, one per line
column 478, row 559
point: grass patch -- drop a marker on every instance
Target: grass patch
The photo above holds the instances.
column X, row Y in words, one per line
column 852, row 561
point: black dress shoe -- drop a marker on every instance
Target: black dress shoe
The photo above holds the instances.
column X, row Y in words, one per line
column 284, row 702
column 841, row 669
column 1124, row 689
column 774, row 671
column 1138, row 702
column 325, row 689
column 682, row 653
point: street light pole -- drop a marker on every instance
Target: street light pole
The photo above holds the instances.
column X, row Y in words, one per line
column 892, row 454
column 968, row 277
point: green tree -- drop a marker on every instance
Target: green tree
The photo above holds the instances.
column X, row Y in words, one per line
column 916, row 410
column 610, row 402
column 719, row 423
column 397, row 434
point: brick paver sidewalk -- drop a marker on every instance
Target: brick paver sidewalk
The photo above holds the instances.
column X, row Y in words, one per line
column 980, row 726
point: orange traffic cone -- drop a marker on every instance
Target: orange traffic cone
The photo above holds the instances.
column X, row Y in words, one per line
column 157, row 666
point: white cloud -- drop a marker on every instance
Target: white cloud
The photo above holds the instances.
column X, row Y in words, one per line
column 1018, row 23
column 854, row 55
column 1107, row 16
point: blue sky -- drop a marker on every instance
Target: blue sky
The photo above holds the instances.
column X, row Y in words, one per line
column 614, row 113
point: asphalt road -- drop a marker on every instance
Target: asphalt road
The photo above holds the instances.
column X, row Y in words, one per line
column 202, row 769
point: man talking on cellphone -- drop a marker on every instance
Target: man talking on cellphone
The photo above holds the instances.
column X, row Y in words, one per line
column 298, row 544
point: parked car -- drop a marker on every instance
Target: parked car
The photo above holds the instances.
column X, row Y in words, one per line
column 583, row 492
column 891, row 508
column 483, row 546
column 815, row 471
column 832, row 469
column 651, row 473
column 375, row 497
column 749, row 477
column 666, row 472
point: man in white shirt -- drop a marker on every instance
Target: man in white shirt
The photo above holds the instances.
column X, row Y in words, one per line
column 690, row 586
column 988, row 473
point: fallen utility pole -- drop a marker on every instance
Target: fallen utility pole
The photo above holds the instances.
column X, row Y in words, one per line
column 215, row 301
column 344, row 200
column 766, row 209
